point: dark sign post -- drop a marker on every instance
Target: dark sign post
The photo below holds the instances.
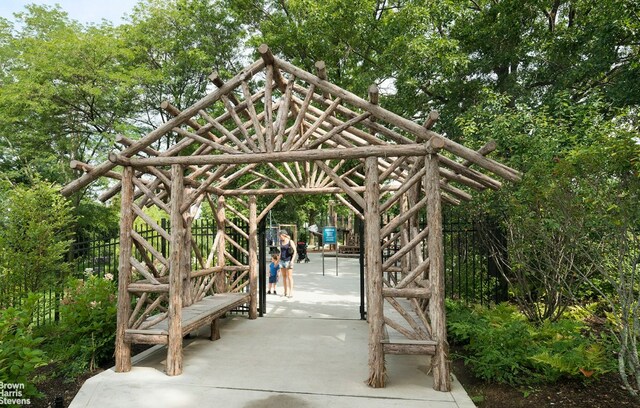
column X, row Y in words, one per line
column 329, row 236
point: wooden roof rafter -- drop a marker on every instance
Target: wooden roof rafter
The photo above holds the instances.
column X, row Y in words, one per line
column 292, row 135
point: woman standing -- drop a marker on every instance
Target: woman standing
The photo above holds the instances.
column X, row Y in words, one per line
column 287, row 255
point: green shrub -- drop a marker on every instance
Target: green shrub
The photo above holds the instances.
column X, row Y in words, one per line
column 567, row 350
column 86, row 333
column 20, row 354
column 35, row 235
column 460, row 322
column 498, row 345
column 501, row 345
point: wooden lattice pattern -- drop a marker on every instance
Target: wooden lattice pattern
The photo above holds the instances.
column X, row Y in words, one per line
column 275, row 129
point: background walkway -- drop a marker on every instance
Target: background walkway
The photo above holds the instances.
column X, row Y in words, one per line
column 307, row 351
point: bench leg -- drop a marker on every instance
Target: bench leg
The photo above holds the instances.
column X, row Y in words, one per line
column 215, row 330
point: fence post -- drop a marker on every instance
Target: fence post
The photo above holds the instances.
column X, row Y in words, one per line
column 163, row 241
column 497, row 261
column 253, row 257
column 262, row 270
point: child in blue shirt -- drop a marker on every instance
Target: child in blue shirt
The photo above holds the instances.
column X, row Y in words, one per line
column 274, row 268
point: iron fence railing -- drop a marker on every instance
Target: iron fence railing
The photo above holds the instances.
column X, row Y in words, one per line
column 99, row 256
column 470, row 271
column 471, row 274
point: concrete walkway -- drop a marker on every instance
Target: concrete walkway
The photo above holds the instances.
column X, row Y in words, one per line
column 307, row 351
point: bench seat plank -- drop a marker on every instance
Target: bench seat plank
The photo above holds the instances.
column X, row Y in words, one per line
column 194, row 316
column 209, row 308
column 408, row 341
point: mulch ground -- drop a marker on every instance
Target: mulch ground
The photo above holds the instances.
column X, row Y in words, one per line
column 56, row 387
column 606, row 391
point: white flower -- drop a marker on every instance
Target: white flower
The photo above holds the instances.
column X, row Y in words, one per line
column 108, row 276
column 93, row 304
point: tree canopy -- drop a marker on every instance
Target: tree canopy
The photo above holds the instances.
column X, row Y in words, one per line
column 554, row 83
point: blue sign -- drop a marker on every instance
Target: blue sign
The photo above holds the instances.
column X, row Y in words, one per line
column 329, row 235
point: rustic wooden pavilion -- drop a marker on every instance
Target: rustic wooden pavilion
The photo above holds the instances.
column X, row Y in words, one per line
column 271, row 130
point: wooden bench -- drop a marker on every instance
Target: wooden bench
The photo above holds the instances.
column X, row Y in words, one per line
column 204, row 312
column 349, row 249
column 394, row 342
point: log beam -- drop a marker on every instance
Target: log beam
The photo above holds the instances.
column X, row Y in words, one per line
column 156, row 134
column 148, row 288
column 269, row 207
column 78, row 165
column 409, row 349
column 275, row 157
column 421, row 293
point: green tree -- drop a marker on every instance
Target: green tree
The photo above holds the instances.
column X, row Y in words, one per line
column 67, row 90
column 178, row 44
column 34, row 239
column 446, row 55
column 609, row 172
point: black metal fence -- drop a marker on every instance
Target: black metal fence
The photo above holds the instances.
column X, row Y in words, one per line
column 95, row 255
column 45, row 306
column 471, row 274
column 99, row 256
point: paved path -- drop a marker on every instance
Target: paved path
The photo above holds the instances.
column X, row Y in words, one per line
column 307, row 351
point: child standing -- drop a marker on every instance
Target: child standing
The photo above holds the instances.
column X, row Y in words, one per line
column 274, row 268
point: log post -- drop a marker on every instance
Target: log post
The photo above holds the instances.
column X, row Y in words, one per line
column 374, row 94
column 321, row 71
column 267, row 57
column 185, row 269
column 414, row 220
column 174, row 352
column 123, row 348
column 253, row 257
column 437, row 315
column 432, row 118
column 374, row 98
column 268, row 110
column 405, row 237
column 215, row 330
column 220, row 284
column 374, row 273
